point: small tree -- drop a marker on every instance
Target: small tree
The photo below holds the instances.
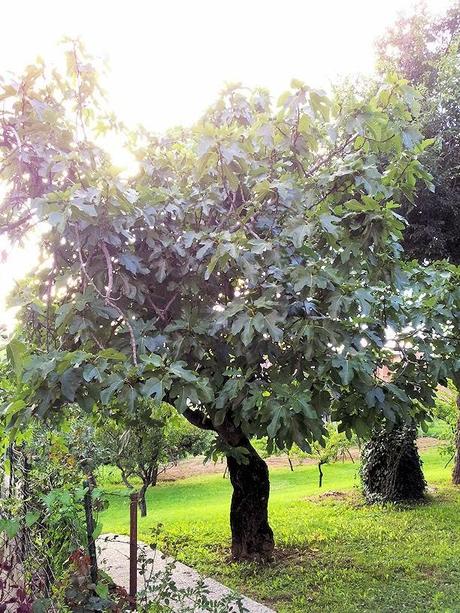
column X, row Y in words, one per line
column 334, row 446
column 147, row 443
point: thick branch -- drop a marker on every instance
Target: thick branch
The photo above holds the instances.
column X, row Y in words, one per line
column 199, row 419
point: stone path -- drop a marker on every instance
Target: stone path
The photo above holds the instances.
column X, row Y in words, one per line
column 114, row 559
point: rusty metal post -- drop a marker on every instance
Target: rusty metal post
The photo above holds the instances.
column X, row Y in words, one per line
column 134, row 499
column 88, row 504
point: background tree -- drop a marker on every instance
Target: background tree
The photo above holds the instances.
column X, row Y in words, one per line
column 148, row 442
column 246, row 275
column 425, row 50
column 391, row 469
column 334, row 446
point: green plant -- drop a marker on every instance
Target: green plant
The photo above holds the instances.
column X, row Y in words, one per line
column 161, row 586
column 334, row 445
column 148, row 442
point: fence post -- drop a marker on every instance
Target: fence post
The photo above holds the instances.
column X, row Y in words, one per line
column 88, row 503
column 134, row 499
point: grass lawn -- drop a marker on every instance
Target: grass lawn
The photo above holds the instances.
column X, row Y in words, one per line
column 334, row 554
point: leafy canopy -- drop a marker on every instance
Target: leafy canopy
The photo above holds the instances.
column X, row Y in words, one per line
column 246, row 275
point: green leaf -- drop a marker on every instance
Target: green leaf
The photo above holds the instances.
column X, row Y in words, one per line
column 10, row 527
column 153, row 387
column 31, row 518
column 11, row 409
column 16, row 352
column 43, row 605
column 298, row 235
column 70, row 382
column 132, row 263
column 345, row 369
column 328, row 222
column 107, row 393
column 248, row 333
column 177, row 369
column 90, row 372
column 300, row 401
column 87, row 209
column 112, row 354
column 275, row 422
column 374, row 395
column 102, row 590
column 275, row 332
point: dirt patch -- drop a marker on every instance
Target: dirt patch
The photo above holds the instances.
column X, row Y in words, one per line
column 352, row 498
column 296, row 555
column 333, row 496
column 426, row 442
column 192, row 467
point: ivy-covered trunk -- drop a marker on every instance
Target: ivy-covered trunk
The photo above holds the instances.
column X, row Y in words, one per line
column 456, row 471
column 252, row 537
column 391, row 468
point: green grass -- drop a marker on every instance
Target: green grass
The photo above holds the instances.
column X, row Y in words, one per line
column 334, row 554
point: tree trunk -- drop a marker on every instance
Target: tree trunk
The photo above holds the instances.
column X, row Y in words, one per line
column 252, row 537
column 320, row 470
column 91, row 477
column 149, row 478
column 142, row 500
column 124, row 478
column 456, row 471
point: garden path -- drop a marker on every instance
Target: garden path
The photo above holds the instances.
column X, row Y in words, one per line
column 114, row 559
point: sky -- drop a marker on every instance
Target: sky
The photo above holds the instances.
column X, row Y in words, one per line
column 168, row 59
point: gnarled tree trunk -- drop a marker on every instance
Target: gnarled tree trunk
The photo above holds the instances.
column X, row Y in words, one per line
column 252, row 537
column 456, row 471
column 124, row 476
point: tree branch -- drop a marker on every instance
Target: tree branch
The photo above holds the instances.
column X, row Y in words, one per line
column 107, row 299
column 109, row 272
column 199, row 419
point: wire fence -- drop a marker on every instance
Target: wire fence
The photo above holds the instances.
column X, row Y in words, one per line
column 35, row 537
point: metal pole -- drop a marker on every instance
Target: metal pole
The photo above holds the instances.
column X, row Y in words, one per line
column 134, row 499
column 90, row 531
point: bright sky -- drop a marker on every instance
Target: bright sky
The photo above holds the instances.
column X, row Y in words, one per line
column 169, row 58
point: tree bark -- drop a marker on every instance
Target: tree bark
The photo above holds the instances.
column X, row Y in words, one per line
column 142, row 500
column 320, row 470
column 150, row 478
column 252, row 537
column 456, row 470
column 124, row 478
